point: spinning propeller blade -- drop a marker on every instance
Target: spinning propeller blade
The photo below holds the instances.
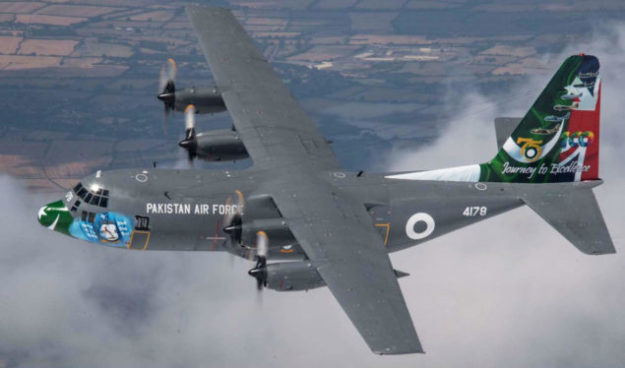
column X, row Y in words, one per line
column 167, row 89
column 190, row 141
column 259, row 272
column 233, row 219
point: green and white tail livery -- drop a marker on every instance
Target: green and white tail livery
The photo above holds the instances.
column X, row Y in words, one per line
column 556, row 141
column 556, row 144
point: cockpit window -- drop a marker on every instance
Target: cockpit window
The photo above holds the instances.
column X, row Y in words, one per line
column 95, row 200
column 76, row 205
column 98, row 197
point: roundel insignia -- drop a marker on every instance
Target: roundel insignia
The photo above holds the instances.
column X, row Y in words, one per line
column 530, row 149
column 414, row 220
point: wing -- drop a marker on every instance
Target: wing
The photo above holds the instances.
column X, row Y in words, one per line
column 336, row 233
column 338, row 236
column 273, row 127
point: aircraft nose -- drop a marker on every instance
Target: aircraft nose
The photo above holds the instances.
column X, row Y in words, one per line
column 55, row 216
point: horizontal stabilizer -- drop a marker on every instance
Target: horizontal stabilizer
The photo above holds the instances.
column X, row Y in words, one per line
column 573, row 211
column 504, row 128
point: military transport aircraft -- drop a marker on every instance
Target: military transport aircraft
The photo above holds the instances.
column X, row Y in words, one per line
column 306, row 222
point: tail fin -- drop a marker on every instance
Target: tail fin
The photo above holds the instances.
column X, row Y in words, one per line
column 558, row 139
column 504, row 128
column 557, row 142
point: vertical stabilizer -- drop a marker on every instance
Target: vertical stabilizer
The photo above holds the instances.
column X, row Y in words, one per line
column 558, row 139
column 504, row 127
column 556, row 145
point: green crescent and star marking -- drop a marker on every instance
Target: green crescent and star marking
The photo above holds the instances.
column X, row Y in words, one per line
column 55, row 216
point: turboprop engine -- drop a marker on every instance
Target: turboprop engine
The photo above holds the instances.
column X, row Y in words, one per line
column 255, row 215
column 220, row 145
column 215, row 145
column 207, row 100
column 244, row 232
column 291, row 276
column 287, row 276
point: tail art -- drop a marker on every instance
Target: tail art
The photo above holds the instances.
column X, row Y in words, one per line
column 556, row 141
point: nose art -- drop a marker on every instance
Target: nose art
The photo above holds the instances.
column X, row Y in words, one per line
column 55, row 216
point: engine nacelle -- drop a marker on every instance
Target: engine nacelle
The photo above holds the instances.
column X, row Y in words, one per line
column 207, row 100
column 275, row 228
column 292, row 276
column 220, row 145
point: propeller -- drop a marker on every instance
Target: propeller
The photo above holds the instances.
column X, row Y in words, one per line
column 190, row 141
column 259, row 272
column 167, row 89
column 233, row 220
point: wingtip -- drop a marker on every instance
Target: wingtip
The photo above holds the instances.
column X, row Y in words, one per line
column 392, row 351
column 412, row 348
column 601, row 252
column 197, row 7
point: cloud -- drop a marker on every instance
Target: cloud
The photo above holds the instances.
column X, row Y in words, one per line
column 507, row 292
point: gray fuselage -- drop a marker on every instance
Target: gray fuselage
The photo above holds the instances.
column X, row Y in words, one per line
column 185, row 209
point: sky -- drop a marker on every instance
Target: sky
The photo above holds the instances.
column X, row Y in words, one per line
column 509, row 291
